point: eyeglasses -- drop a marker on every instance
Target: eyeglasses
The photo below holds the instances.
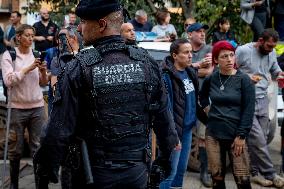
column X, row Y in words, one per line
column 226, row 56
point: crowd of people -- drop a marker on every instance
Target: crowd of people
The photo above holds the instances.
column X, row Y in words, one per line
column 105, row 102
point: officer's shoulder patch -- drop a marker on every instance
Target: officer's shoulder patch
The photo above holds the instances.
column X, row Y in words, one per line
column 89, row 56
column 137, row 53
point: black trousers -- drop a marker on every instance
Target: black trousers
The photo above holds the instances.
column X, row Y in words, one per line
column 111, row 176
column 258, row 24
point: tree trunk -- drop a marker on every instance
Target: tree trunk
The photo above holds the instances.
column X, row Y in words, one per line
column 187, row 8
column 152, row 6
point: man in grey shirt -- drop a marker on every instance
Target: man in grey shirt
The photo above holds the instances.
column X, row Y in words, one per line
column 259, row 61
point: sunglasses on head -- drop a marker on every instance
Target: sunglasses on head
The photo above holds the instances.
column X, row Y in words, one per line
column 186, row 25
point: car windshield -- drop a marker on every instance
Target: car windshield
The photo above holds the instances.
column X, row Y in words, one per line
column 158, row 50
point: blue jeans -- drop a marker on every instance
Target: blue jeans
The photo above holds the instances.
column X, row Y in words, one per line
column 179, row 160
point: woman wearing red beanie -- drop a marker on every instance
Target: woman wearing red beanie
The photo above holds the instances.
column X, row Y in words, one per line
column 230, row 115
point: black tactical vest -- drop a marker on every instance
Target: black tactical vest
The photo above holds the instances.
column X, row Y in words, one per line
column 120, row 89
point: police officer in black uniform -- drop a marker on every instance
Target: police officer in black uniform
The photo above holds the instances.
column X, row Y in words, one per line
column 108, row 97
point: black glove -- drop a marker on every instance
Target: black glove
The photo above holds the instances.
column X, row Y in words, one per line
column 157, row 175
column 45, row 170
column 165, row 165
column 160, row 170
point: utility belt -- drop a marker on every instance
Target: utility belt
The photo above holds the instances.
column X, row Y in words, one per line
column 143, row 155
column 78, row 154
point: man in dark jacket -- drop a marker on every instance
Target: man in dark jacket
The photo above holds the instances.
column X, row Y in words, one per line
column 182, row 84
column 107, row 98
column 140, row 22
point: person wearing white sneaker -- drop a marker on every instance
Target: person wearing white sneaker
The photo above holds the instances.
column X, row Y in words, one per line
column 278, row 181
column 260, row 180
column 259, row 59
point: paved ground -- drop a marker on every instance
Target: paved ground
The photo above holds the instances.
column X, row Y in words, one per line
column 191, row 179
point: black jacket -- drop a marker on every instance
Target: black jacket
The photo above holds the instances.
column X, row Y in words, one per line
column 73, row 114
column 175, row 89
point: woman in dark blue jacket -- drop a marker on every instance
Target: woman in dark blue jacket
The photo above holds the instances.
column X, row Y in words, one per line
column 182, row 85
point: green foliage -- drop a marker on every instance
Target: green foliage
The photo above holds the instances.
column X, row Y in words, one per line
column 63, row 9
column 59, row 9
column 133, row 5
column 216, row 9
column 177, row 20
column 206, row 11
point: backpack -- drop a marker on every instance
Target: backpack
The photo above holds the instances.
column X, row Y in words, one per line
column 13, row 55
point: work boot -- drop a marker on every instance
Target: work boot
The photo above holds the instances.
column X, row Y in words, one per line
column 14, row 174
column 219, row 184
column 204, row 177
column 244, row 186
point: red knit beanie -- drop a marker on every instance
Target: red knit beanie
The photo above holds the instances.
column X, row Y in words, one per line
column 221, row 45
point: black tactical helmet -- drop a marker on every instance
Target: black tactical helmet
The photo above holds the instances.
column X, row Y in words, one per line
column 96, row 9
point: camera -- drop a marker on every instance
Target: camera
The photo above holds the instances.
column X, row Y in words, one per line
column 63, row 47
column 40, row 55
column 65, row 54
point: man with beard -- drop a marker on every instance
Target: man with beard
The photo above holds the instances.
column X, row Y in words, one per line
column 72, row 18
column 106, row 100
column 45, row 32
column 259, row 61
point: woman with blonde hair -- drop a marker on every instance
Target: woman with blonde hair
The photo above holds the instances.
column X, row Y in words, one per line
column 23, row 77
